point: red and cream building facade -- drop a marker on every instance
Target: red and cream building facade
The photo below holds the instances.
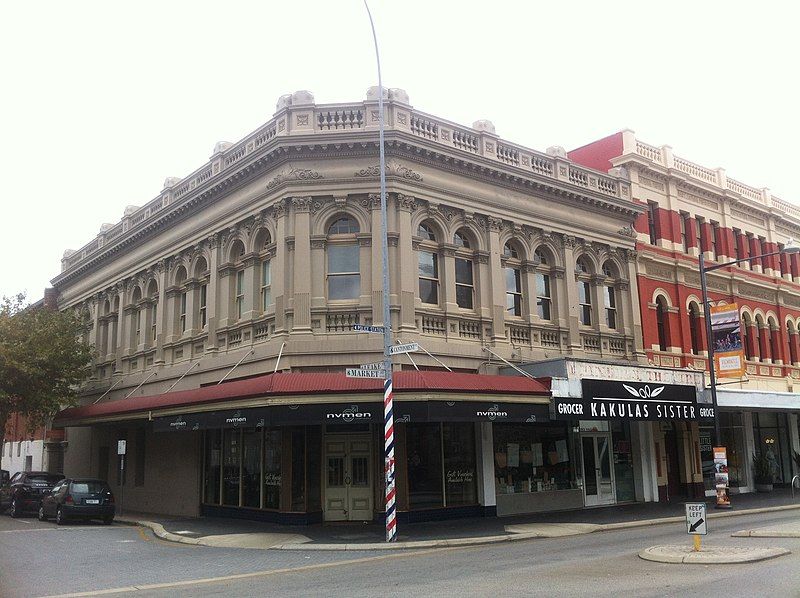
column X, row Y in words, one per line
column 691, row 209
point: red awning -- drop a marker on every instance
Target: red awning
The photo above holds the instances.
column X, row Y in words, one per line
column 288, row 384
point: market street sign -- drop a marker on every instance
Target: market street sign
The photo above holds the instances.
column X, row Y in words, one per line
column 407, row 348
column 361, row 373
column 363, row 328
column 696, row 518
column 610, row 399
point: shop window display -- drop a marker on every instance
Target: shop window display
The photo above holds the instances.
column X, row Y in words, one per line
column 532, row 458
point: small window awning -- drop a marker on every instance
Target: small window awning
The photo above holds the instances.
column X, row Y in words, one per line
column 298, row 398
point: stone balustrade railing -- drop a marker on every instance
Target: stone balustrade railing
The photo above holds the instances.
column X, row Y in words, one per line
column 298, row 115
column 717, row 177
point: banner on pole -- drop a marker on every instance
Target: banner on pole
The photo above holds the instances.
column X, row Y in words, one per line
column 726, row 335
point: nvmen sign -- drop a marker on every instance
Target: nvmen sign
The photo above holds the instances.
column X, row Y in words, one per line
column 608, row 399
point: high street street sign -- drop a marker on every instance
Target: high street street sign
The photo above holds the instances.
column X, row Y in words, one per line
column 407, row 348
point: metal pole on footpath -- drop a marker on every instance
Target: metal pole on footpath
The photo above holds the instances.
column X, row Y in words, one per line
column 388, row 406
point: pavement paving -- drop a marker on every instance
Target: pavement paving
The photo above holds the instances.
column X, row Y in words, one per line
column 238, row 533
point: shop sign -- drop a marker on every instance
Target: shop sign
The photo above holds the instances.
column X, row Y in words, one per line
column 608, row 400
column 580, row 370
column 460, row 476
column 472, row 411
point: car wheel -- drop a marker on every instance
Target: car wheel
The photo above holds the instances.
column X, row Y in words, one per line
column 14, row 511
column 60, row 519
column 42, row 516
column 108, row 520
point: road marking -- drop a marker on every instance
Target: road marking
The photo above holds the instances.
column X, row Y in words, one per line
column 209, row 580
column 56, row 529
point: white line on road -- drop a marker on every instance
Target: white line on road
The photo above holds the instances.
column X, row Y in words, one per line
column 56, row 529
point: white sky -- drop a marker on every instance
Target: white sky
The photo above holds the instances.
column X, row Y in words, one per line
column 101, row 101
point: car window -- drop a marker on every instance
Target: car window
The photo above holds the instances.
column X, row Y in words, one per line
column 50, row 478
column 88, row 487
column 58, row 486
column 16, row 477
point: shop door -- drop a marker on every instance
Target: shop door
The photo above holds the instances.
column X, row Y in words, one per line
column 348, row 478
column 598, row 474
column 674, row 487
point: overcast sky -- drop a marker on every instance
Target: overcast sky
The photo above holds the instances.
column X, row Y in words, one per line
column 101, row 101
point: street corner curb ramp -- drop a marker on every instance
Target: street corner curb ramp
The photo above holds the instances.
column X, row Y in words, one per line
column 719, row 555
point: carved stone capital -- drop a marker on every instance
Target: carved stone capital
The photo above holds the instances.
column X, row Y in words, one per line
column 495, row 224
column 407, row 203
column 482, row 257
column 302, row 204
column 570, row 242
column 318, row 242
column 557, row 272
column 278, row 209
column 290, row 243
column 372, row 201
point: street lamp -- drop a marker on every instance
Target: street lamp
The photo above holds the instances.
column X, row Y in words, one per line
column 790, row 247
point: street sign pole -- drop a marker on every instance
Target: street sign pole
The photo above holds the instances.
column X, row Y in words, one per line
column 388, row 407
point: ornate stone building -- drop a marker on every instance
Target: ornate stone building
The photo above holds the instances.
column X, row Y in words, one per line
column 265, row 258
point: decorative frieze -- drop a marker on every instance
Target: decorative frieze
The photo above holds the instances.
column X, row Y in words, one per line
column 748, row 217
column 652, row 184
column 698, row 199
column 294, row 174
column 662, row 271
column 749, row 290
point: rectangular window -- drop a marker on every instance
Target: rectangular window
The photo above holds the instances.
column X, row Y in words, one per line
column 585, row 302
column 213, row 460
column 231, row 467
column 428, row 277
column 460, row 476
column 203, row 303
column 737, row 250
column 684, row 239
column 651, row 221
column 153, row 329
column 251, row 467
column 611, row 307
column 715, row 241
column 464, row 283
column 273, row 439
column 344, row 278
column 513, row 292
column 298, row 436
column 424, row 466
column 700, row 234
column 183, row 312
column 266, row 285
column 764, row 261
column 138, row 460
column 239, row 294
column 543, row 298
column 138, row 319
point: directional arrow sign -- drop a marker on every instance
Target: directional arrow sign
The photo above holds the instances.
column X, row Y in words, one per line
column 359, row 373
column 696, row 518
column 362, row 328
column 407, row 348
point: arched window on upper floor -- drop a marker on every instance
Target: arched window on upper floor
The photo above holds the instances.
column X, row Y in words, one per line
column 763, row 338
column 544, row 292
column 180, row 311
column 138, row 316
column 264, row 271
column 748, row 342
column 344, row 269
column 695, row 330
column 662, row 322
column 428, row 265
column 583, row 273
column 512, row 270
column 774, row 339
column 611, row 274
column 236, row 255
column 791, row 342
column 465, row 276
column 152, row 296
column 201, row 274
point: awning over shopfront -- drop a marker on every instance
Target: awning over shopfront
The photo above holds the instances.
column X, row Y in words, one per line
column 734, row 398
column 306, row 398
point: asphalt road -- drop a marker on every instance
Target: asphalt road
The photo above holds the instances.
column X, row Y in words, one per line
column 41, row 559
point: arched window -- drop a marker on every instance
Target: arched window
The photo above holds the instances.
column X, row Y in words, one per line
column 791, row 346
column 610, row 294
column 237, row 252
column 201, row 274
column 694, row 328
column 513, row 280
column 344, row 270
column 662, row 324
column 583, row 282
column 265, row 273
column 137, row 317
column 544, row 297
column 774, row 339
column 152, row 295
column 180, row 280
column 747, row 342
column 428, row 265
column 465, row 280
column 763, row 340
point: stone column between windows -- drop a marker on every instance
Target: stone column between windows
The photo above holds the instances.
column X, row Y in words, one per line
column 97, row 334
column 146, row 338
column 571, row 307
column 278, row 266
column 192, row 289
column 407, row 263
column 376, row 258
column 598, row 302
column 744, row 250
column 497, row 281
column 527, row 280
column 794, row 340
column 755, row 250
column 447, row 283
column 778, row 346
column 170, row 316
column 753, row 347
column 301, row 207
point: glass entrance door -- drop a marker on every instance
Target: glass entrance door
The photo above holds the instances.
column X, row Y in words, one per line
column 598, row 474
column 348, row 478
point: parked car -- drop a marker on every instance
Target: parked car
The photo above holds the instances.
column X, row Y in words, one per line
column 24, row 491
column 78, row 498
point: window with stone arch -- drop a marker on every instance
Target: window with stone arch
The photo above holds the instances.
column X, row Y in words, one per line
column 344, row 267
column 662, row 322
column 181, row 300
column 762, row 338
column 543, row 264
column 137, row 316
column 201, row 274
column 749, row 337
column 152, row 297
column 611, row 274
column 791, row 342
column 583, row 280
column 236, row 255
column 774, row 339
column 465, row 273
column 428, row 264
column 512, row 269
column 263, row 241
column 695, row 328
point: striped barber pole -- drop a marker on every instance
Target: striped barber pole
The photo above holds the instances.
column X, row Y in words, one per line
column 391, row 491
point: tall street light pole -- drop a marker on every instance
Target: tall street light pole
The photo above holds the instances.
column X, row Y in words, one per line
column 388, row 407
column 790, row 247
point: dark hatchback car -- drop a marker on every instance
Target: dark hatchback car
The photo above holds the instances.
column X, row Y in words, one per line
column 79, row 498
column 24, row 491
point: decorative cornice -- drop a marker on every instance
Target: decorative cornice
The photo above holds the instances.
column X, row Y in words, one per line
column 393, row 168
column 294, row 174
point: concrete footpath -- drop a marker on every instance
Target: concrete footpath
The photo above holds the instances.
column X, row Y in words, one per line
column 238, row 533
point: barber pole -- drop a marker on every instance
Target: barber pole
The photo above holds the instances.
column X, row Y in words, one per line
column 391, row 491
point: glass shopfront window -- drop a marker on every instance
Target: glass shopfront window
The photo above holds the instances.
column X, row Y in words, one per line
column 251, row 468
column 458, row 443
column 231, row 470
column 298, row 469
column 731, row 428
column 273, row 439
column 424, row 466
column 771, row 434
column 532, row 458
column 623, row 461
column 212, row 461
